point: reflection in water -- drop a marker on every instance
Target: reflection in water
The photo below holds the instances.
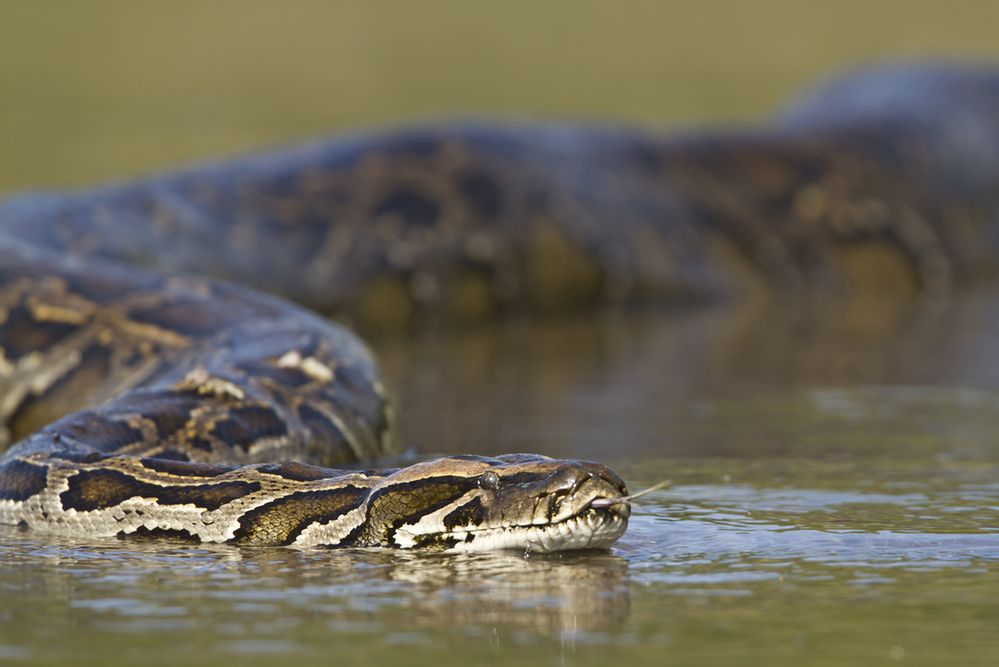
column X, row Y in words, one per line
column 275, row 597
column 557, row 595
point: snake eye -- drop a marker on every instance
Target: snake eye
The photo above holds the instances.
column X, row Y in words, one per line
column 489, row 480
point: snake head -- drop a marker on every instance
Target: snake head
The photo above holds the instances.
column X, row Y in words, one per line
column 516, row 501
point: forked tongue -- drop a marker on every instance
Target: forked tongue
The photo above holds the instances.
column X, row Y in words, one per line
column 600, row 503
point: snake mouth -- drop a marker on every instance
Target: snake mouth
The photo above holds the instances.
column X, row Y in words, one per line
column 591, row 528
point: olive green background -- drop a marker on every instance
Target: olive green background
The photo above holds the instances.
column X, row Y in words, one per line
column 94, row 90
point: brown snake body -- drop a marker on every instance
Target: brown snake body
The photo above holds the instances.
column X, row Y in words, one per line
column 161, row 400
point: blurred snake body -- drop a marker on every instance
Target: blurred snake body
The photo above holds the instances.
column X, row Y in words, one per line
column 142, row 392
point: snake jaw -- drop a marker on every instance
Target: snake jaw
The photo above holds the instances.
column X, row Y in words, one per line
column 591, row 529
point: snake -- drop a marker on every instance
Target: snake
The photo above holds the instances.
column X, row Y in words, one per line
column 170, row 365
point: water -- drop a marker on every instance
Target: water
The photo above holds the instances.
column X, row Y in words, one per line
column 834, row 500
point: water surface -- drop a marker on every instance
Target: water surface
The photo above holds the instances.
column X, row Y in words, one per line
column 820, row 512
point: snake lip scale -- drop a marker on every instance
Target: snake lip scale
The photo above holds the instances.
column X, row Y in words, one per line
column 591, row 529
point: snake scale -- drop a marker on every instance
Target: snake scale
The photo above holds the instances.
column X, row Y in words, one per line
column 144, row 393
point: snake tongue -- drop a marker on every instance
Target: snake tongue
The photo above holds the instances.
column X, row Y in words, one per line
column 603, row 503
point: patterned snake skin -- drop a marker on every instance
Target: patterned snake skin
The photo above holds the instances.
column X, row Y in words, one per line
column 155, row 400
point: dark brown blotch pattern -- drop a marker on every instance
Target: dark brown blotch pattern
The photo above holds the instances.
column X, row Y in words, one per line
column 82, row 457
column 112, row 286
column 283, row 520
column 245, row 426
column 97, row 431
column 19, row 480
column 408, row 502
column 292, row 378
column 172, row 454
column 299, row 472
column 470, row 514
column 182, row 468
column 100, row 489
column 408, row 205
column 436, row 542
column 160, row 533
column 325, row 440
column 168, row 411
column 481, row 194
column 21, row 333
column 188, row 317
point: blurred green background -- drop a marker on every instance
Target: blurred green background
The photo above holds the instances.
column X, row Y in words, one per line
column 96, row 90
